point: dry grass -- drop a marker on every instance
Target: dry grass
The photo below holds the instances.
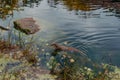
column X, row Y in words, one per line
column 6, row 47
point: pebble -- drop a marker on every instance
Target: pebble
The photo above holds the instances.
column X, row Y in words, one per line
column 43, row 50
column 66, row 43
column 72, row 60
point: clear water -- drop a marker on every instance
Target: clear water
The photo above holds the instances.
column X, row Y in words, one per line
column 95, row 30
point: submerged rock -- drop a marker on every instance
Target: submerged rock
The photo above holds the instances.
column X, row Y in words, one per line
column 26, row 25
column 3, row 28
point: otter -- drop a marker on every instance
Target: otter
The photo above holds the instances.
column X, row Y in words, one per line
column 65, row 48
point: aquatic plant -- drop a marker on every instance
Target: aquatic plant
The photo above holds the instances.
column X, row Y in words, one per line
column 66, row 68
column 20, row 61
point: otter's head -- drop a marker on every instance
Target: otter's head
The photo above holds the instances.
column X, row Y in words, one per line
column 54, row 45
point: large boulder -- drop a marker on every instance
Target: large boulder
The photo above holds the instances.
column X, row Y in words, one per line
column 26, row 25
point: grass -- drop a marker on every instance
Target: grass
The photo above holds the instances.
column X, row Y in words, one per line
column 18, row 60
column 71, row 70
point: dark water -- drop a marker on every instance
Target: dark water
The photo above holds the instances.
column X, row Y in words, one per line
column 92, row 28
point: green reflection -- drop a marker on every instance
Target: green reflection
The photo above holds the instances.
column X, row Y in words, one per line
column 8, row 6
column 88, row 5
column 74, row 4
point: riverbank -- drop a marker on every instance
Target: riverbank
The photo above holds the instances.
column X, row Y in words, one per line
column 18, row 64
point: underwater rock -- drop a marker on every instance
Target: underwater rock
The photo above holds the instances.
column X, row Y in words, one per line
column 26, row 25
column 3, row 28
column 65, row 48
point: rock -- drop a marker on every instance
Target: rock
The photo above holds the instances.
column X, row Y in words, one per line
column 26, row 25
column 65, row 48
column 3, row 28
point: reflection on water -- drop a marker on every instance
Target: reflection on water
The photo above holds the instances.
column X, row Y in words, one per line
column 89, row 25
column 86, row 6
column 77, row 5
column 30, row 3
column 7, row 7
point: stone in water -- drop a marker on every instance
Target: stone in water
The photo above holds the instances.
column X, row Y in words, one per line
column 26, row 25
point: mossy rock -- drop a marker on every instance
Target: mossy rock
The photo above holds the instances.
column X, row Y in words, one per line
column 26, row 25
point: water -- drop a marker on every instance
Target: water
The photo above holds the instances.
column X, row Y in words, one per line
column 92, row 28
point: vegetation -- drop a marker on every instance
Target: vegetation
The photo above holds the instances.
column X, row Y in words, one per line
column 20, row 60
column 70, row 70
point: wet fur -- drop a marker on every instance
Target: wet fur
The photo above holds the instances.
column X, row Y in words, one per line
column 65, row 48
